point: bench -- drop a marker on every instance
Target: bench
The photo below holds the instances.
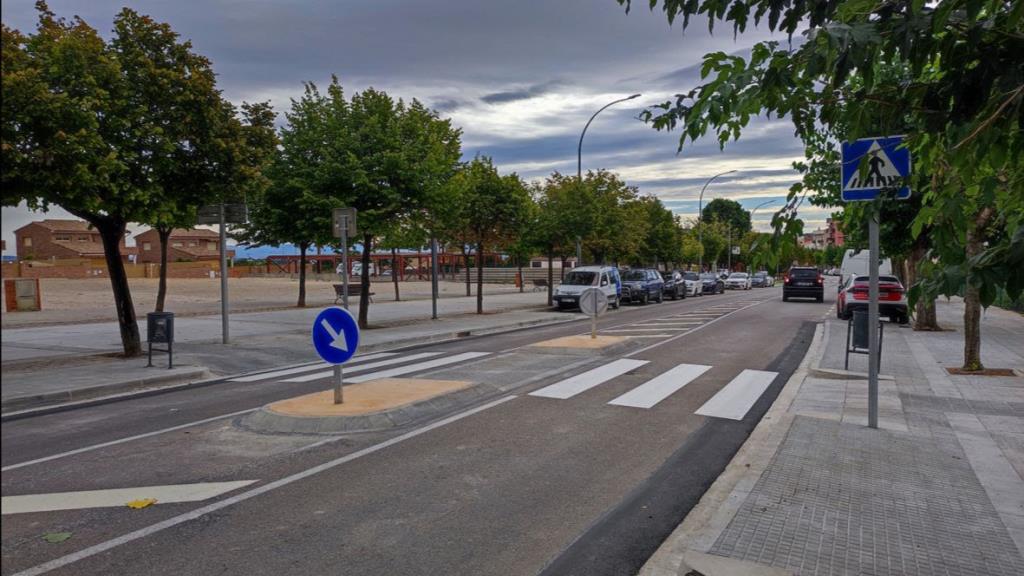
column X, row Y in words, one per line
column 354, row 290
column 539, row 284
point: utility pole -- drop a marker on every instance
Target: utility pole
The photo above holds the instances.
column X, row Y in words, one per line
column 223, row 276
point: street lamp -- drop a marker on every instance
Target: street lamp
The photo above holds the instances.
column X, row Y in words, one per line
column 752, row 212
column 700, row 229
column 579, row 149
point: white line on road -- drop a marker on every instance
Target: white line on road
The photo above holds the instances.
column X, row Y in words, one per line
column 582, row 382
column 660, row 387
column 362, row 367
column 307, row 368
column 200, row 512
column 690, row 331
column 651, row 329
column 735, row 399
column 123, row 440
column 417, row 367
column 117, row 497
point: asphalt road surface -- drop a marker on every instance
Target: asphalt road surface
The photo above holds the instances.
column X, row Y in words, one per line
column 582, row 464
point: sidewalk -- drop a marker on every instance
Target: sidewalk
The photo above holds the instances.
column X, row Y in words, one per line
column 45, row 365
column 937, row 489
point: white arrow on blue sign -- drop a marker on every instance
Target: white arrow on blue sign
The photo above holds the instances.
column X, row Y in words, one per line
column 888, row 164
column 335, row 335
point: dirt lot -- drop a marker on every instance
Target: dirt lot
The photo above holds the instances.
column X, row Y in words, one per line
column 91, row 300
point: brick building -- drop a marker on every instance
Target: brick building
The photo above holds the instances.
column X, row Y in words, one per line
column 834, row 234
column 193, row 245
column 60, row 239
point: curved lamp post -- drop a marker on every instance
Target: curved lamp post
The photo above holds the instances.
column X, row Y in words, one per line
column 752, row 212
column 700, row 214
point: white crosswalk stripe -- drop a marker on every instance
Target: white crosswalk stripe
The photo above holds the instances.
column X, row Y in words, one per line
column 648, row 394
column 738, row 396
column 418, row 367
column 308, row 368
column 582, row 382
column 363, row 367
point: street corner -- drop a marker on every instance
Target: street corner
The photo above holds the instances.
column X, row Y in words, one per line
column 582, row 344
column 373, row 405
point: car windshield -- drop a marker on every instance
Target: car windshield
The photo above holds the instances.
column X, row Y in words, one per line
column 866, row 279
column 803, row 273
column 738, row 276
column 579, row 278
column 690, row 275
column 666, row 275
column 761, row 275
column 634, row 275
column 708, row 276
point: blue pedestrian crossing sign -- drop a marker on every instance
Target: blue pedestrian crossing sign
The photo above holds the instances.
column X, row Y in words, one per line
column 335, row 335
column 887, row 167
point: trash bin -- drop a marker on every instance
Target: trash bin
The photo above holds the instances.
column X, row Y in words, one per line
column 860, row 329
column 160, row 330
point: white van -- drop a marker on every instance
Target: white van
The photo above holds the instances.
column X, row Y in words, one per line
column 567, row 294
column 855, row 263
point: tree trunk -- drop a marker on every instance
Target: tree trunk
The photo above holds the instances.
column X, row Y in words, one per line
column 562, row 272
column 479, row 279
column 161, row 288
column 972, row 295
column 522, row 281
column 394, row 271
column 302, row 275
column 551, row 278
column 364, row 282
column 465, row 260
column 112, row 232
column 924, row 310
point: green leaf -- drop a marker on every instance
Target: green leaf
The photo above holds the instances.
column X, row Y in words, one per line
column 56, row 537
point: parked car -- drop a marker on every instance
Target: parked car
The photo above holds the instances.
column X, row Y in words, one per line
column 693, row 284
column 892, row 298
column 738, row 281
column 762, row 280
column 803, row 282
column 567, row 294
column 642, row 285
column 710, row 283
column 675, row 286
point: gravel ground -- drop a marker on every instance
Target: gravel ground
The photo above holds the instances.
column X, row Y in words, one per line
column 91, row 300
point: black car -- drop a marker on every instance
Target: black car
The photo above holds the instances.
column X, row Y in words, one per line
column 760, row 280
column 803, row 282
column 642, row 285
column 711, row 284
column 675, row 286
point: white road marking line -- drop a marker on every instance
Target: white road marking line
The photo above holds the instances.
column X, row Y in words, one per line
column 649, row 335
column 670, row 323
column 301, row 369
column 651, row 329
column 736, row 398
column 231, row 501
column 127, row 439
column 417, row 367
column 117, row 497
column 690, row 331
column 582, row 382
column 362, row 367
column 660, row 387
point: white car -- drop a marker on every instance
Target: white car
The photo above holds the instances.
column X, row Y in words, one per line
column 567, row 294
column 693, row 284
column 738, row 281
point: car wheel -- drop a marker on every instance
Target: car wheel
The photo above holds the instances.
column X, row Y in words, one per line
column 661, row 296
column 616, row 303
column 820, row 298
column 902, row 319
column 643, row 299
column 785, row 298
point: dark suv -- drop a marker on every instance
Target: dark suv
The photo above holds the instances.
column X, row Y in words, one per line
column 642, row 285
column 803, row 282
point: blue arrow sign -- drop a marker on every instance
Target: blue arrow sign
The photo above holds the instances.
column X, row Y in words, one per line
column 887, row 167
column 335, row 335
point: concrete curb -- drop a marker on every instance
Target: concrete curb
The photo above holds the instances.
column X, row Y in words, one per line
column 719, row 504
column 24, row 403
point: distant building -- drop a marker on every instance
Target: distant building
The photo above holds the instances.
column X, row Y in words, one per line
column 834, row 234
column 815, row 240
column 60, row 239
column 190, row 245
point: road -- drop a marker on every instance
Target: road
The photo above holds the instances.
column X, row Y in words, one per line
column 559, row 470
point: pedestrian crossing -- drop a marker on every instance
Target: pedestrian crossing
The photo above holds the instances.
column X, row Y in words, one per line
column 732, row 402
column 369, row 367
column 677, row 324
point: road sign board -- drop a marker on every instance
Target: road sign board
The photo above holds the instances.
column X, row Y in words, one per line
column 593, row 302
column 233, row 214
column 335, row 335
column 735, row 249
column 888, row 166
column 344, row 218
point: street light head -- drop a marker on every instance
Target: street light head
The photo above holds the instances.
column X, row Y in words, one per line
column 633, row 96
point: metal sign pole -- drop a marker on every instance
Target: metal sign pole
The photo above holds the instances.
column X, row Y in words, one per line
column 873, row 343
column 433, row 279
column 593, row 327
column 344, row 264
column 223, row 277
column 339, row 382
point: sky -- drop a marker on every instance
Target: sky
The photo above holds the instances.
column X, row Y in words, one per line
column 520, row 77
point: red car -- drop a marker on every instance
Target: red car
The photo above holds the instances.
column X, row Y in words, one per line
column 892, row 298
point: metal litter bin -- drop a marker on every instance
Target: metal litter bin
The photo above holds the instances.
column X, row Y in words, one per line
column 861, row 336
column 160, row 330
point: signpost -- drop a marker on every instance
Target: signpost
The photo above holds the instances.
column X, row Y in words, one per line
column 336, row 338
column 874, row 168
column 593, row 303
column 344, row 220
column 223, row 214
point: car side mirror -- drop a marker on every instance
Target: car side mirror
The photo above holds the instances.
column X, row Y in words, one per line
column 604, row 283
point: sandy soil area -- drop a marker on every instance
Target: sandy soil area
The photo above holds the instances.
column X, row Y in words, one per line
column 91, row 300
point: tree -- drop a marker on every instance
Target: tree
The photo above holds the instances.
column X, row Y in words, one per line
column 960, row 106
column 495, row 208
column 729, row 212
column 662, row 243
column 553, row 232
column 89, row 125
column 690, row 246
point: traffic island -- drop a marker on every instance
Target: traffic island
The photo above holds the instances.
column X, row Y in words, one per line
column 374, row 405
column 582, row 344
